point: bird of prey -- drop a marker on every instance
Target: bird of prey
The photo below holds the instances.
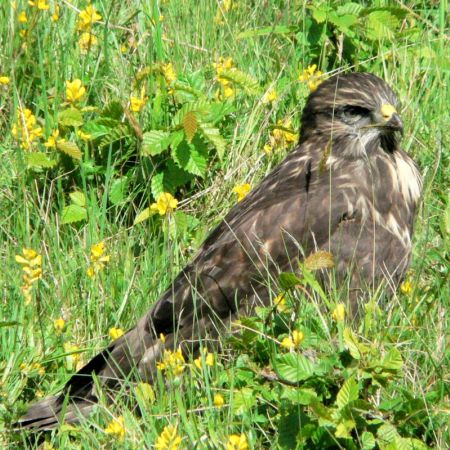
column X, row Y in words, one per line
column 347, row 188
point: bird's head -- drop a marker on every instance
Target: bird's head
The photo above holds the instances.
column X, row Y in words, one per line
column 357, row 107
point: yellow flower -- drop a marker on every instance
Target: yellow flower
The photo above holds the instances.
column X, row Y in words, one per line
column 87, row 41
column 116, row 428
column 87, row 17
column 282, row 135
column 172, row 362
column 75, row 91
column 237, row 442
column 98, row 259
column 270, row 96
column 55, row 15
column 31, row 263
column 406, row 287
column 137, row 103
column 40, row 4
column 162, row 338
column 168, row 439
column 339, row 313
column 228, row 91
column 209, row 359
column 169, row 73
column 312, row 77
column 53, row 140
column 165, row 204
column 115, row 333
column 297, row 337
column 241, row 190
column 22, row 17
column 83, row 136
column 280, row 302
column 24, row 130
column 59, row 325
column 23, row 35
column 287, row 343
column 4, row 80
column 219, row 401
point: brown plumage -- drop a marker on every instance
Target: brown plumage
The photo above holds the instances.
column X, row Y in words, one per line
column 347, row 188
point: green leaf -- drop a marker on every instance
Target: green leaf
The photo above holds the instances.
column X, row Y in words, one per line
column 352, row 343
column 201, row 108
column 155, row 142
column 265, row 31
column 387, row 433
column 69, row 148
column 78, row 198
column 9, row 323
column 157, row 185
column 392, row 360
column 39, row 160
column 213, row 136
column 293, row 367
column 113, row 110
column 348, row 393
column 367, row 441
column 243, row 401
column 143, row 215
column 191, row 157
column 350, row 8
column 100, row 127
column 73, row 213
column 145, row 393
column 71, row 117
column 288, row 280
column 241, row 79
column 320, row 13
column 381, row 25
column 190, row 125
column 118, row 190
column 298, row 396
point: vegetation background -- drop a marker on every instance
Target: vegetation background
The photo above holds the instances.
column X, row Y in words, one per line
column 129, row 128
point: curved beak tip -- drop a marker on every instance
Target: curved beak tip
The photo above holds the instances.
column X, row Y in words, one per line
column 396, row 123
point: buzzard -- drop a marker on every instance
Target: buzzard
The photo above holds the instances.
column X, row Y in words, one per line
column 347, row 188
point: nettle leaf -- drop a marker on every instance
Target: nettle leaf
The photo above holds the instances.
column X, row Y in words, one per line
column 243, row 400
column 78, row 198
column 213, row 136
column 192, row 157
column 319, row 260
column 293, row 367
column 381, row 25
column 100, row 127
column 288, row 280
column 348, row 393
column 71, row 117
column 175, row 176
column 367, row 441
column 73, row 213
column 190, row 125
column 387, row 433
column 69, row 148
column 118, row 190
column 121, row 131
column 350, row 8
column 39, row 160
column 343, row 22
column 392, row 360
column 201, row 108
column 352, row 343
column 242, row 80
column 155, row 142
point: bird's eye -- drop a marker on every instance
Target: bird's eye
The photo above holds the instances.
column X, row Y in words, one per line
column 355, row 111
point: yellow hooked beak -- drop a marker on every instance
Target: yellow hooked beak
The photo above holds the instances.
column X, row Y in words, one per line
column 390, row 117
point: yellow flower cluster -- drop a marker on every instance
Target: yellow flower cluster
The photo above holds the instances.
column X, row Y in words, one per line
column 86, row 19
column 270, row 96
column 219, row 401
column 75, row 91
column 4, row 80
column 406, row 287
column 280, row 303
column 31, row 263
column 116, row 428
column 54, row 139
column 165, row 204
column 224, row 7
column 281, row 137
column 293, row 341
column 224, row 64
column 137, row 103
column 73, row 357
column 59, row 325
column 312, row 77
column 115, row 333
column 25, row 129
column 40, row 4
column 30, row 369
column 241, row 190
column 338, row 313
column 237, row 442
column 168, row 439
column 208, row 358
column 169, row 75
column 172, row 362
column 98, row 259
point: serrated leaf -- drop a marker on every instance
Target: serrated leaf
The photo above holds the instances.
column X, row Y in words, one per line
column 69, row 148
column 78, row 198
column 348, row 393
column 288, row 280
column 293, row 367
column 392, row 360
column 157, row 185
column 243, row 401
column 39, row 160
column 175, row 177
column 241, row 79
column 344, row 429
column 143, row 215
column 352, row 343
column 350, row 8
column 100, row 127
column 121, row 131
column 190, row 125
column 155, row 142
column 319, row 260
column 73, row 213
column 113, row 110
column 213, row 136
column 118, row 190
column 71, row 117
column 367, row 441
column 387, row 433
column 191, row 157
column 201, row 108
column 381, row 25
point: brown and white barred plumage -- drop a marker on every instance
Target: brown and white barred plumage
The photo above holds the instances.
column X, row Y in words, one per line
column 347, row 188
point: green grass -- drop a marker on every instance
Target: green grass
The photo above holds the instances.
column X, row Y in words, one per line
column 411, row 56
